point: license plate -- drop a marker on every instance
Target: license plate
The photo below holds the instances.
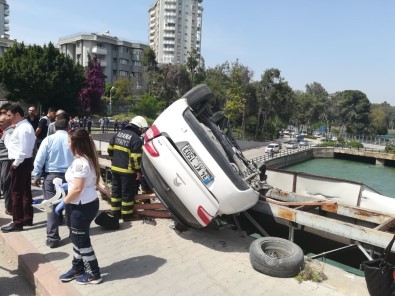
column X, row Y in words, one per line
column 197, row 164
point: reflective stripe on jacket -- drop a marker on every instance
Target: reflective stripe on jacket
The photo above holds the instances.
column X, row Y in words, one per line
column 125, row 151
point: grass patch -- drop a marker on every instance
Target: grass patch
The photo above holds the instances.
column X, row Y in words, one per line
column 313, row 271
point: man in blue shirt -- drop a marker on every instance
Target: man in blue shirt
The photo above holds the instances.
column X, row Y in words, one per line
column 52, row 160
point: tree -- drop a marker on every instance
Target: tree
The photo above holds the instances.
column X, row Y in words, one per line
column 148, row 106
column 378, row 125
column 149, row 59
column 389, row 114
column 94, row 86
column 41, row 75
column 275, row 103
column 354, row 110
column 238, row 94
column 168, row 83
column 195, row 71
column 123, row 88
column 217, row 79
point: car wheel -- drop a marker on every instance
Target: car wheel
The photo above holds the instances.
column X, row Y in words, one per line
column 198, row 98
column 276, row 257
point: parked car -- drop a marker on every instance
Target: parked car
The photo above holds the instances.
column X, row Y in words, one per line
column 291, row 145
column 304, row 143
column 195, row 169
column 272, row 148
column 279, row 143
column 317, row 134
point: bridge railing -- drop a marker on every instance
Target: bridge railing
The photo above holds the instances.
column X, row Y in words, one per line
column 370, row 149
column 281, row 153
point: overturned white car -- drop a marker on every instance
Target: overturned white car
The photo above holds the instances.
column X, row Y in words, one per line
column 196, row 170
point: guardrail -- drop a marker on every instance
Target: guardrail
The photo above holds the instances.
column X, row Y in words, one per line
column 281, row 153
column 370, row 149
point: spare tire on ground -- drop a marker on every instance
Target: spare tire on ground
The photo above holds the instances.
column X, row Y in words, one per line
column 276, row 257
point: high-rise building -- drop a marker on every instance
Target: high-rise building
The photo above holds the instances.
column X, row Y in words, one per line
column 175, row 28
column 4, row 13
column 118, row 58
column 5, row 41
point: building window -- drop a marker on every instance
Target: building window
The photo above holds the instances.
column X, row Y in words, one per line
column 123, row 61
column 123, row 49
column 123, row 73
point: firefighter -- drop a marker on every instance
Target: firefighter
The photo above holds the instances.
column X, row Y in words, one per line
column 125, row 151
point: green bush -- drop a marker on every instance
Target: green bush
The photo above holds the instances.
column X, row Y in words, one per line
column 327, row 143
column 390, row 149
column 310, row 137
column 354, row 144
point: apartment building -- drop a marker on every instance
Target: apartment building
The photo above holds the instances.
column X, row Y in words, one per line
column 119, row 58
column 175, row 28
column 5, row 41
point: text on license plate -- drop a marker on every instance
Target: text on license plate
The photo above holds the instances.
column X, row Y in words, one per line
column 197, row 164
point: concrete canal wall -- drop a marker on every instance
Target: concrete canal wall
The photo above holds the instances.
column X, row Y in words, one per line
column 283, row 160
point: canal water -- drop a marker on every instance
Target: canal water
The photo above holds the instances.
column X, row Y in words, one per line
column 381, row 179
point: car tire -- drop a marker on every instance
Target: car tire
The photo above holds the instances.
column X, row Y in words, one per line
column 276, row 257
column 198, row 98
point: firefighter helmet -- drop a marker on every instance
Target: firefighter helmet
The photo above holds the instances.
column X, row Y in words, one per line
column 139, row 121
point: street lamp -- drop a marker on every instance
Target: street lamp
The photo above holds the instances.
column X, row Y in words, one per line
column 111, row 89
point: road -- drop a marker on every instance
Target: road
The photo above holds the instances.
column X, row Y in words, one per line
column 11, row 282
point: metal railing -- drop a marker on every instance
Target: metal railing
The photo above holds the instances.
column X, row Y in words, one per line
column 369, row 149
column 281, row 153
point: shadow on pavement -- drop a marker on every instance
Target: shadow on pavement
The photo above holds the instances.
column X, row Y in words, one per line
column 132, row 268
column 222, row 240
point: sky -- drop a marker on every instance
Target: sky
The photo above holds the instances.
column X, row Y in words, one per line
column 341, row 44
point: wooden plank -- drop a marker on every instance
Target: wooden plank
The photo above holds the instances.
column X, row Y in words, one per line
column 149, row 206
column 155, row 214
column 386, row 225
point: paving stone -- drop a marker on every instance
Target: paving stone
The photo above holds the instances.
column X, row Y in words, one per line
column 156, row 260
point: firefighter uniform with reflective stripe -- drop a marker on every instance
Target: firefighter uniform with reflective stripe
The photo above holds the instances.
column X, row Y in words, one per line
column 125, row 151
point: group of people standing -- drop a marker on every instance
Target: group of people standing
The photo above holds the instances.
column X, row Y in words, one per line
column 36, row 150
column 46, row 148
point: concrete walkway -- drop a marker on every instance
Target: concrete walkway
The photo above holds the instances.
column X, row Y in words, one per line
column 145, row 259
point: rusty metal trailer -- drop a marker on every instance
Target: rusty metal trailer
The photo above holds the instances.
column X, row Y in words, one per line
column 350, row 225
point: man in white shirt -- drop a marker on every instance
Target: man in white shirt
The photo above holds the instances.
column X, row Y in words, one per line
column 20, row 150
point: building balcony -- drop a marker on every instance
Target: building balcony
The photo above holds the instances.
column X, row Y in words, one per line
column 6, row 12
column 6, row 28
column 170, row 28
column 99, row 50
column 103, row 63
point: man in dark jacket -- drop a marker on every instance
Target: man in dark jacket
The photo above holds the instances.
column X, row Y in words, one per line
column 125, row 151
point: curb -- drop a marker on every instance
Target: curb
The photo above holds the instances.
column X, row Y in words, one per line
column 34, row 267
